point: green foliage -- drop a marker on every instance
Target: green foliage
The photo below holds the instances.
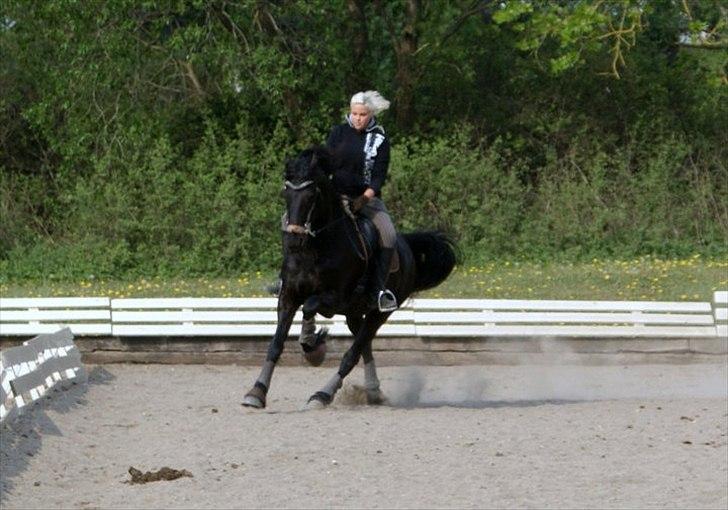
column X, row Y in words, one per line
column 141, row 138
column 213, row 213
column 595, row 200
column 472, row 193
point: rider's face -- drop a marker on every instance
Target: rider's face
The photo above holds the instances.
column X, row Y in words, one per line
column 360, row 116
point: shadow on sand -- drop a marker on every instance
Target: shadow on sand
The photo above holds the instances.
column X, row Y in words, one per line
column 22, row 438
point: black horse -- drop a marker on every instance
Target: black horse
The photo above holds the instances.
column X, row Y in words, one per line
column 325, row 268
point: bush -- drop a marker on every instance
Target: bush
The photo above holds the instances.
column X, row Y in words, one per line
column 217, row 210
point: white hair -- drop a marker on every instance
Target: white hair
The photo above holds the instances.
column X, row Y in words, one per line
column 372, row 100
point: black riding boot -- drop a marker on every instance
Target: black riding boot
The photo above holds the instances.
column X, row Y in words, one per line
column 382, row 298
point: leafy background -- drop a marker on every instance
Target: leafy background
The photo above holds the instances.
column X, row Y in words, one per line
column 148, row 138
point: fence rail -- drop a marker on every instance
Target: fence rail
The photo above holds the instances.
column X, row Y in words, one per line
column 29, row 371
column 255, row 317
column 34, row 316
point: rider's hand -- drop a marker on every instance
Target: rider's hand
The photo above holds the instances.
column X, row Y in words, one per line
column 362, row 199
column 359, row 202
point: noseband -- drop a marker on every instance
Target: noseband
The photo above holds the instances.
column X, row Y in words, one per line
column 298, row 229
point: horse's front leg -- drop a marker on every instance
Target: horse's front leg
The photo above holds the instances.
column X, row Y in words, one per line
column 365, row 335
column 256, row 396
column 313, row 342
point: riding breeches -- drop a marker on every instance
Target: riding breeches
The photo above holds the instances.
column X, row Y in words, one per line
column 377, row 213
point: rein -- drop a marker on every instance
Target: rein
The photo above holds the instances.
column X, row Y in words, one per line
column 306, row 228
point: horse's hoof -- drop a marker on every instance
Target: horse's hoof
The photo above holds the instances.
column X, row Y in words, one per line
column 376, row 398
column 318, row 400
column 255, row 398
column 316, row 355
column 314, row 405
column 253, row 401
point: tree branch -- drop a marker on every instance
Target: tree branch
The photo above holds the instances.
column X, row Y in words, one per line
column 189, row 71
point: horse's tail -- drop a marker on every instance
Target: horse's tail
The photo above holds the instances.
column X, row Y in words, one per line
column 435, row 257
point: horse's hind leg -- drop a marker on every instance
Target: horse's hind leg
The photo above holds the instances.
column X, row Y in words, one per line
column 354, row 323
column 364, row 336
column 371, row 381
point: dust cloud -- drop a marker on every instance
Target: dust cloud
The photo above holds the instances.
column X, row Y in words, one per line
column 561, row 380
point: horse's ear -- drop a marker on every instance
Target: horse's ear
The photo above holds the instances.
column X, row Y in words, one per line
column 288, row 165
column 314, row 161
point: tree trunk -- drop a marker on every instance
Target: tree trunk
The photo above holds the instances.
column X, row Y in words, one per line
column 357, row 80
column 405, row 49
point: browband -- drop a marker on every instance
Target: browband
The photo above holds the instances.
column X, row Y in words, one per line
column 297, row 187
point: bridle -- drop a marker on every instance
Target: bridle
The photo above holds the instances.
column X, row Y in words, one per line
column 306, row 229
column 292, row 228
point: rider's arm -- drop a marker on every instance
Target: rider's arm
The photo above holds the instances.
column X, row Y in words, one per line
column 379, row 171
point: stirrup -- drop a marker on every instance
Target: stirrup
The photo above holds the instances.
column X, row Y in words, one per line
column 386, row 302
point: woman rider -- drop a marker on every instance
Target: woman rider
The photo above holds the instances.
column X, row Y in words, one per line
column 362, row 151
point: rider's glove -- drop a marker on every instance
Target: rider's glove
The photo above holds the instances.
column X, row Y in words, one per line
column 359, row 202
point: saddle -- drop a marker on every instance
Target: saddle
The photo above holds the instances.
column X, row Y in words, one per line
column 364, row 238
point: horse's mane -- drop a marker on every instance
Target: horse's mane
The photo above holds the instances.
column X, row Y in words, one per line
column 313, row 163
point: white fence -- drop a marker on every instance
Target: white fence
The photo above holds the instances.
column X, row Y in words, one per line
column 29, row 371
column 34, row 316
column 52, row 360
column 255, row 317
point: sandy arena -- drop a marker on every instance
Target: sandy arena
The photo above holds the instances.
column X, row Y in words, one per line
column 638, row 436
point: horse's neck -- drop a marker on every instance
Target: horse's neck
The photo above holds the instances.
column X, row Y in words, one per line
column 329, row 210
column 299, row 258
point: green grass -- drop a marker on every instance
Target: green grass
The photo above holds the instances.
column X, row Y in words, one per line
column 647, row 278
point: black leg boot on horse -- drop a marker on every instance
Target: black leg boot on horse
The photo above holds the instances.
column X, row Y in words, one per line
column 381, row 298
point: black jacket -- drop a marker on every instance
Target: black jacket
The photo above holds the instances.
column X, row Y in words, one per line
column 359, row 167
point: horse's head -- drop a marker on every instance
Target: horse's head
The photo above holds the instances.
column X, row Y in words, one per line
column 306, row 179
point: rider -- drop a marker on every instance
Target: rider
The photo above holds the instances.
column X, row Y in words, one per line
column 362, row 150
